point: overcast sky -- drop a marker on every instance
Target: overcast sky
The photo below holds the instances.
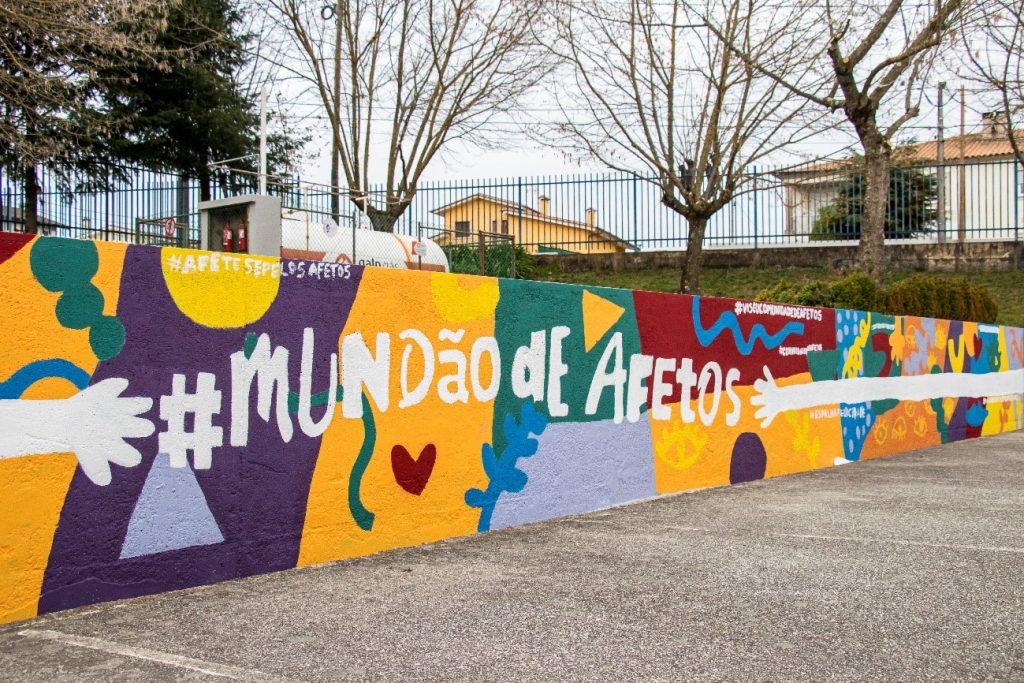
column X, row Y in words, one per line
column 522, row 157
column 514, row 154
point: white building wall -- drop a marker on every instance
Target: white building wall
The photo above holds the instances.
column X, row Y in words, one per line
column 993, row 200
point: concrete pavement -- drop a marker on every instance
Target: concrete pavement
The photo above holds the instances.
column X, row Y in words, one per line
column 907, row 568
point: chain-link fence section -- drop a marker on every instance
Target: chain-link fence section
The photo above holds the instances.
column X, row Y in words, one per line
column 476, row 253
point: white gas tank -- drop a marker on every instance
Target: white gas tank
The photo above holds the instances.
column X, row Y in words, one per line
column 315, row 240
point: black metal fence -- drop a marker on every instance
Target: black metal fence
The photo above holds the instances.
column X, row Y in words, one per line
column 125, row 203
column 776, row 206
column 594, row 213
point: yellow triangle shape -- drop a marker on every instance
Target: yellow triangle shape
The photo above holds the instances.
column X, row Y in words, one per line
column 599, row 315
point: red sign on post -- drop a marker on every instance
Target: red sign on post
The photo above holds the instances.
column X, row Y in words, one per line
column 170, row 227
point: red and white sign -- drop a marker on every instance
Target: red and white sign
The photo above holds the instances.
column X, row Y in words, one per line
column 170, row 227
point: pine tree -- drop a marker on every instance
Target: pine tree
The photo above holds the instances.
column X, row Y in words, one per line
column 54, row 59
column 910, row 210
column 193, row 111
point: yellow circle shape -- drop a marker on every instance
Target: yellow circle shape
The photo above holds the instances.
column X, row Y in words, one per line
column 220, row 290
column 461, row 298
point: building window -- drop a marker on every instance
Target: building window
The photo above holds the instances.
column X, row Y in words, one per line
column 504, row 227
column 461, row 227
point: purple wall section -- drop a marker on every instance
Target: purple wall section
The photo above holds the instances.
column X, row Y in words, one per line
column 258, row 497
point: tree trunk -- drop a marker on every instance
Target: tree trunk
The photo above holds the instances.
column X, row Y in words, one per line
column 204, row 183
column 878, row 166
column 339, row 26
column 30, row 209
column 335, row 180
column 383, row 220
column 689, row 280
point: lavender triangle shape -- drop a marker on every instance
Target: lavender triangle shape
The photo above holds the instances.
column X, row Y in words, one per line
column 171, row 513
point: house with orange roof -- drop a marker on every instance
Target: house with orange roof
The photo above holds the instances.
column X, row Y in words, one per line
column 536, row 229
column 992, row 190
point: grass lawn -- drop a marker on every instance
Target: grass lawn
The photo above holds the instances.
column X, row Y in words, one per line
column 744, row 283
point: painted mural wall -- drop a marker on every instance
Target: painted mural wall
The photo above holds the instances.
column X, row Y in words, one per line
column 171, row 418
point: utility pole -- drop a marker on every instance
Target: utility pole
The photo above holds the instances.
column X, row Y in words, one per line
column 336, row 124
column 263, row 141
column 940, row 173
column 962, row 218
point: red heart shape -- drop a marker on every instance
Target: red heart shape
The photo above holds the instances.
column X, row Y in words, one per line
column 413, row 475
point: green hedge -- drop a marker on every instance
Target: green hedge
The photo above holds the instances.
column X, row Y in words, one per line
column 954, row 298
column 465, row 258
column 930, row 296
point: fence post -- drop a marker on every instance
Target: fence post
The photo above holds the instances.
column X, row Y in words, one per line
column 636, row 220
column 512, row 242
column 106, row 226
column 755, row 207
column 519, row 209
column 182, row 208
column 1016, row 199
column 480, row 237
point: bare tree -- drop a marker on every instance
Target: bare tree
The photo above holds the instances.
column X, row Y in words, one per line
column 656, row 89
column 994, row 55
column 52, row 55
column 871, row 61
column 401, row 78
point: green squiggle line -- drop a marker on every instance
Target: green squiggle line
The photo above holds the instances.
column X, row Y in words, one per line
column 362, row 516
column 318, row 399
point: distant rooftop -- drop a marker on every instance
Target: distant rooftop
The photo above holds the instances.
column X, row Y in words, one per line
column 977, row 147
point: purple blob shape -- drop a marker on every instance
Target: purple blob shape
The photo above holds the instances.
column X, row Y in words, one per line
column 749, row 459
column 257, row 493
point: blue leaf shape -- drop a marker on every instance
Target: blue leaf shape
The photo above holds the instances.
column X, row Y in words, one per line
column 490, row 461
column 514, row 480
column 529, row 447
column 502, row 471
column 475, row 498
column 535, row 422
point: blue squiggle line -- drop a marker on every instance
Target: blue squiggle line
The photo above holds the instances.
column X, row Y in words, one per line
column 27, row 375
column 728, row 321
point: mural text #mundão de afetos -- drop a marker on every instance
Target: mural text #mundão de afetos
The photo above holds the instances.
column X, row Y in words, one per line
column 171, row 418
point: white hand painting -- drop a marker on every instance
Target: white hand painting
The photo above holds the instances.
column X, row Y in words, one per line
column 768, row 396
column 93, row 424
column 774, row 399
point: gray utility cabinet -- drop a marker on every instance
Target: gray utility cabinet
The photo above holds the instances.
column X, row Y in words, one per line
column 260, row 214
